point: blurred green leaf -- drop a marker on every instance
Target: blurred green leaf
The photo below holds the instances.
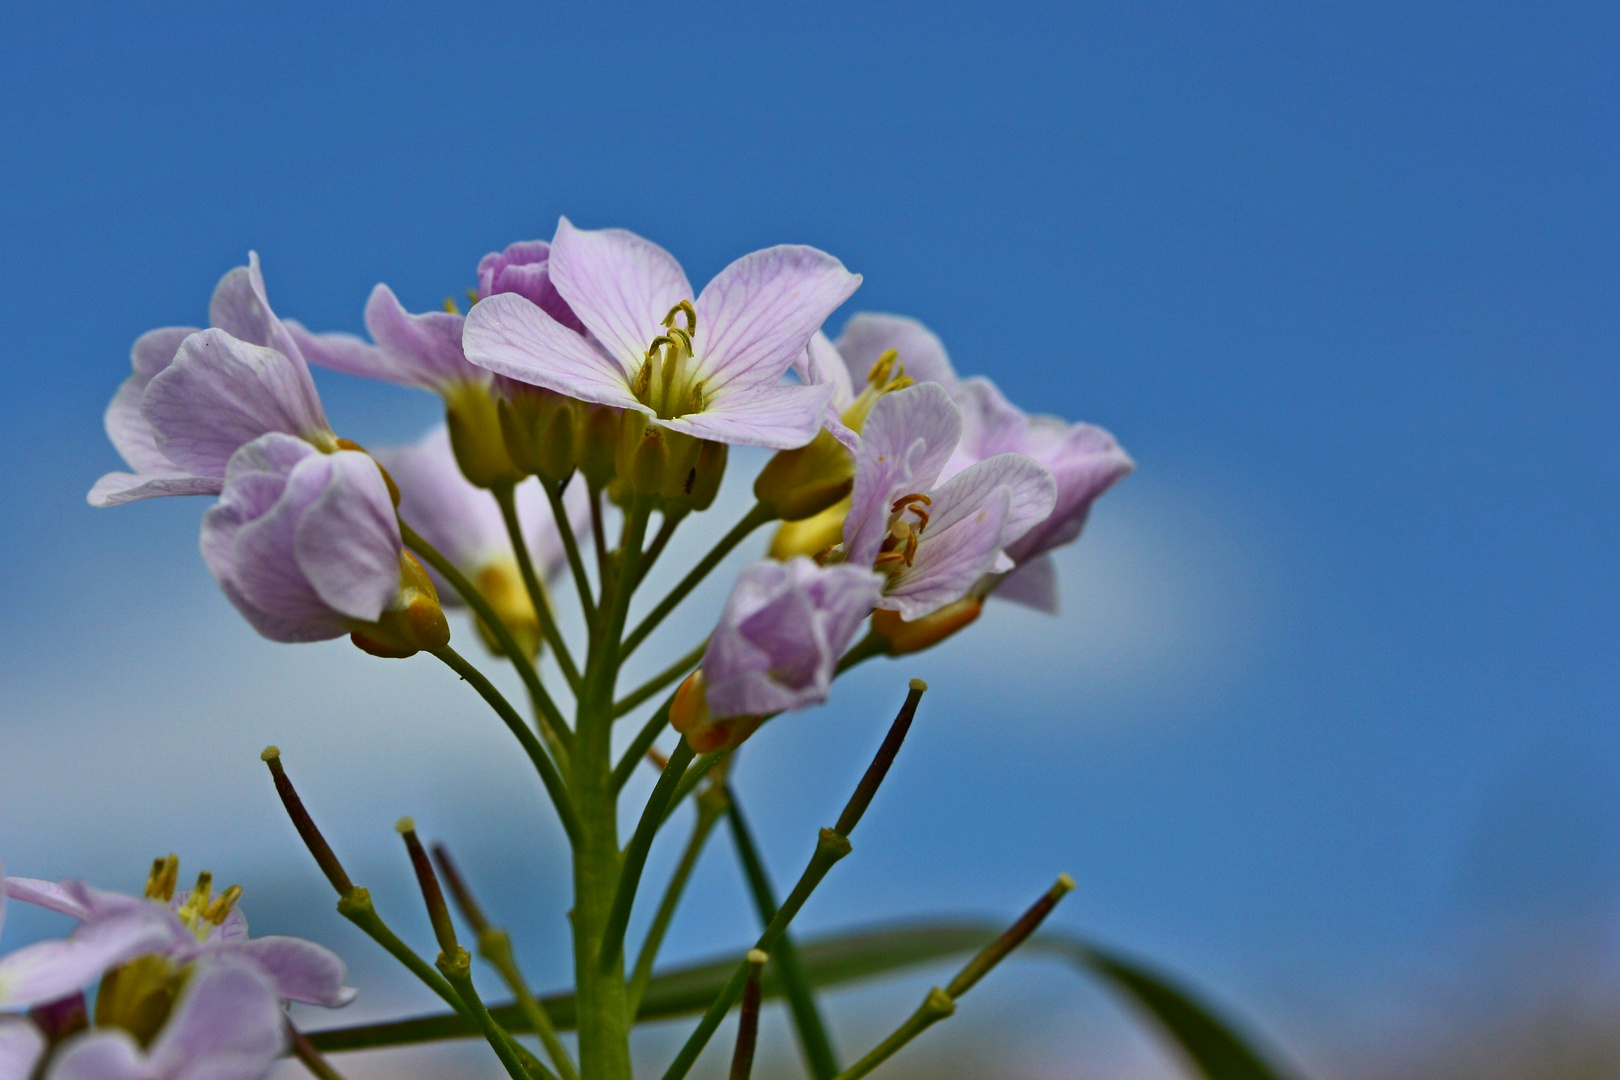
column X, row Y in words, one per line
column 1209, row 1044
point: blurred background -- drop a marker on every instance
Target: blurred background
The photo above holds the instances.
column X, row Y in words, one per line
column 1327, row 726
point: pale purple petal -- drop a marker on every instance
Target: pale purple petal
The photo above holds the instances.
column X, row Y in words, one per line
column 154, row 350
column 756, row 317
column 241, row 308
column 103, row 1054
column 347, row 543
column 53, row 969
column 1030, row 486
column 1033, row 584
column 620, row 285
column 20, row 1047
column 425, row 349
column 58, row 896
column 463, row 522
column 347, row 353
column 511, row 336
column 906, row 440
column 868, row 335
column 820, row 363
column 117, row 488
column 950, row 562
column 1086, row 463
column 129, row 431
column 132, row 435
column 227, row 1025
column 222, row 393
column 524, row 268
column 990, row 425
column 302, row 970
column 775, row 417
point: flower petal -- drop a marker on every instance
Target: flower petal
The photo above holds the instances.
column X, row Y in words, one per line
column 50, row 895
column 950, row 562
column 227, row 1025
column 869, row 335
column 776, row 417
column 222, row 393
column 347, row 543
column 104, row 1054
column 117, row 488
column 241, row 308
column 620, row 285
column 509, row 335
column 301, row 970
column 129, row 432
column 154, row 350
column 756, row 317
column 463, row 522
column 1086, row 463
column 425, row 350
column 347, row 353
column 1034, row 584
column 20, row 1047
column 50, row 970
column 905, row 441
column 1029, row 483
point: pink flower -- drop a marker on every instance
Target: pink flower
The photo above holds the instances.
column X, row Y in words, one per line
column 933, row 543
column 709, row 365
column 195, row 396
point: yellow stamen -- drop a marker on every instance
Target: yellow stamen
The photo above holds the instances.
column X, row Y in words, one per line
column 220, row 909
column 691, row 316
column 450, row 305
column 161, row 881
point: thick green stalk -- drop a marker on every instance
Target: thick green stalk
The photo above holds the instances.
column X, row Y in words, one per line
column 538, row 597
column 635, row 854
column 814, row 1042
column 752, row 520
column 641, row 743
column 604, row 1020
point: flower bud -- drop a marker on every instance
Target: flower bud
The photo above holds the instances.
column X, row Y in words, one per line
column 501, row 582
column 908, row 637
column 475, row 435
column 597, row 451
column 813, row 535
column 681, row 471
column 540, row 431
column 799, row 484
column 689, row 714
column 414, row 622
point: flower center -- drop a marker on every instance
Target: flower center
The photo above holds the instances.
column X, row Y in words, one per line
column 667, row 382
column 900, row 545
column 886, row 375
column 202, row 911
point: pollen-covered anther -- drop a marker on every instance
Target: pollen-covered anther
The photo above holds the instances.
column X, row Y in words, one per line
column 219, row 909
column 685, row 306
column 161, row 881
column 914, row 503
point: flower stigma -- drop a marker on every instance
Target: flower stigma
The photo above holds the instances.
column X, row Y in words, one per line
column 667, row 382
column 900, row 545
column 886, row 375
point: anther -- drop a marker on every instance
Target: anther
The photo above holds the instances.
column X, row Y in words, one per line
column 691, row 316
column 879, row 373
column 220, row 909
column 161, row 881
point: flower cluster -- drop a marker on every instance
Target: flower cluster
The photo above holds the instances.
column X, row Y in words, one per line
column 588, row 389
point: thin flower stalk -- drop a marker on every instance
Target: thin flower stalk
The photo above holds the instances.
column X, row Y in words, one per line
column 504, row 495
column 671, row 674
column 711, row 807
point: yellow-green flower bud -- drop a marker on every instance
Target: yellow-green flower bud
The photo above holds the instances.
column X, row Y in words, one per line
column 681, row 471
column 799, row 484
column 501, row 582
column 597, row 451
column 475, row 435
column 905, row 637
column 689, row 714
column 813, row 535
column 414, row 622
column 540, row 430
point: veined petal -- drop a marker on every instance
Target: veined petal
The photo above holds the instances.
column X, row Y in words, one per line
column 949, row 562
column 58, row 896
column 222, row 393
column 347, row 542
column 509, row 335
column 241, row 308
column 620, row 285
column 775, row 417
column 129, row 431
column 20, row 1047
column 53, row 969
column 1032, row 492
column 425, row 349
column 104, row 1054
column 227, row 1025
column 342, row 352
column 301, row 970
column 463, row 522
column 1034, row 584
column 117, row 488
column 869, row 335
column 906, row 440
column 821, row 365
column 154, row 350
column 756, row 317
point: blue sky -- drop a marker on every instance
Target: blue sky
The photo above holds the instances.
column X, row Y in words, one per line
column 1334, row 692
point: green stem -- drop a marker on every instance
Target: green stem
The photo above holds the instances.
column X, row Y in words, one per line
column 549, row 715
column 693, row 775
column 456, row 967
column 504, row 495
column 639, row 745
column 816, row 1045
column 565, row 528
column 752, row 520
column 635, row 853
column 830, row 847
column 863, row 650
column 935, row 1007
column 531, row 744
column 709, row 811
column 599, row 533
column 356, row 906
column 670, row 674
column 312, row 1059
